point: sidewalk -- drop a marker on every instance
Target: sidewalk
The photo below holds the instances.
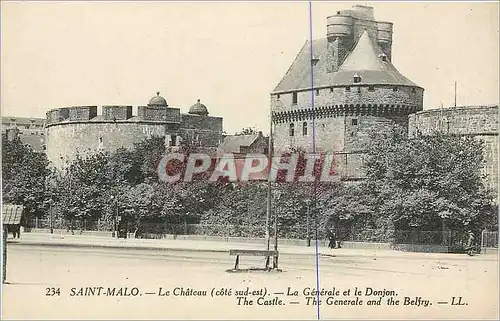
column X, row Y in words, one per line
column 86, row 241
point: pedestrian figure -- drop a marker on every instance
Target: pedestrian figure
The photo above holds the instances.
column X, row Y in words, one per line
column 470, row 243
column 338, row 241
column 332, row 238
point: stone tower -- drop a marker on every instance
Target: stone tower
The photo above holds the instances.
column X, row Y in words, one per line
column 343, row 30
column 79, row 130
column 342, row 90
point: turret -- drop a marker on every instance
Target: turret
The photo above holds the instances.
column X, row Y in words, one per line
column 384, row 37
column 339, row 32
column 346, row 27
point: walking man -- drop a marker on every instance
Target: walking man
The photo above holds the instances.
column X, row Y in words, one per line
column 470, row 243
column 332, row 238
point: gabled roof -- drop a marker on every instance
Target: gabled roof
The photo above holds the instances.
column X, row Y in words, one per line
column 12, row 214
column 367, row 61
column 232, row 143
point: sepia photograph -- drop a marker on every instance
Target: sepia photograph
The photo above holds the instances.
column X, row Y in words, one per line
column 249, row 160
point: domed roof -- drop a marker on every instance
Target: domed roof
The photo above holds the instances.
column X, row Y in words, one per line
column 198, row 109
column 158, row 101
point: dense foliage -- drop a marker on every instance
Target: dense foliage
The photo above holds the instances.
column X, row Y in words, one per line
column 24, row 175
column 424, row 183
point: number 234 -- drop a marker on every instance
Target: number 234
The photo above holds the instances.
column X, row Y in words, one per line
column 52, row 291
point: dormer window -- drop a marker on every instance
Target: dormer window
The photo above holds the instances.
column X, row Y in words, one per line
column 357, row 78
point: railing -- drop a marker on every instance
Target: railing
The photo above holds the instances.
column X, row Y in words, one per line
column 76, row 225
column 489, row 239
column 154, row 230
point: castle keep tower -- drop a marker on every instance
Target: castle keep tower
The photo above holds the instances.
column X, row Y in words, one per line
column 343, row 30
column 355, row 89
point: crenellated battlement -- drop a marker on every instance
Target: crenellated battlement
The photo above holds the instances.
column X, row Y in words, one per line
column 112, row 113
column 332, row 111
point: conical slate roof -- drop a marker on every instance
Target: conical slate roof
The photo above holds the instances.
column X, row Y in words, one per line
column 298, row 75
column 369, row 62
column 366, row 60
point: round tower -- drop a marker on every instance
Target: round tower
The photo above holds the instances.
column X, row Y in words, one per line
column 339, row 26
column 384, row 38
column 339, row 33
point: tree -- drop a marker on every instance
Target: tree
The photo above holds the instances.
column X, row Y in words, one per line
column 427, row 181
column 82, row 190
column 24, row 177
column 247, row 131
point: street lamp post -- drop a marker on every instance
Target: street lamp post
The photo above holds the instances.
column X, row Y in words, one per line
column 275, row 262
column 116, row 221
column 4, row 256
column 308, row 236
column 114, row 234
column 51, row 217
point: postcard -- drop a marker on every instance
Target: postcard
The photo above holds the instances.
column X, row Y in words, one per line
column 306, row 160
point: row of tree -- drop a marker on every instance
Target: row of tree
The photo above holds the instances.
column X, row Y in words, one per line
column 424, row 183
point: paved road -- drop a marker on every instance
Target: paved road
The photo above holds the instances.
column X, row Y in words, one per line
column 84, row 241
column 34, row 268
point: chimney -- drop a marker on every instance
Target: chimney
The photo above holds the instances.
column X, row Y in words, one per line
column 12, row 134
column 366, row 10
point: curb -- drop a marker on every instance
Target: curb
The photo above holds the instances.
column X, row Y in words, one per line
column 484, row 257
column 132, row 247
column 76, row 245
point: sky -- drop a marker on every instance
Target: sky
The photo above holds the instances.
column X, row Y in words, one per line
column 230, row 55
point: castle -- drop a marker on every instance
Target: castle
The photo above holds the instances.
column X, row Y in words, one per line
column 80, row 130
column 339, row 88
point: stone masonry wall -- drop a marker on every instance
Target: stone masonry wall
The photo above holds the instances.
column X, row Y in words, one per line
column 357, row 95
column 77, row 130
column 65, row 141
column 202, row 130
column 159, row 113
column 478, row 121
column 344, row 119
column 116, row 112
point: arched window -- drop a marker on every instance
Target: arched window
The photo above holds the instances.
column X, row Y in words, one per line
column 292, row 129
column 304, row 128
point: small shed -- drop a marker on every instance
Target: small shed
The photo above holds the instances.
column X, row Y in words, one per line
column 12, row 215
